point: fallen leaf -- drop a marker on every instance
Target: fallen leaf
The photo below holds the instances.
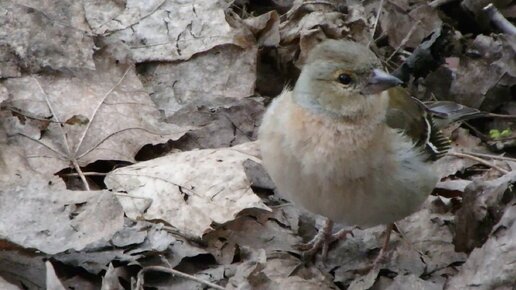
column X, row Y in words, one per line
column 167, row 30
column 118, row 117
column 27, row 28
column 189, row 190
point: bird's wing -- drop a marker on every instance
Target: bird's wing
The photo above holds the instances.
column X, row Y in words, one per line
column 410, row 116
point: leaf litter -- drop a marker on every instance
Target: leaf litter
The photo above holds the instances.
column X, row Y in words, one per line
column 84, row 84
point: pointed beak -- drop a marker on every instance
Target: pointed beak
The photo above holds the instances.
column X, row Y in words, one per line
column 380, row 81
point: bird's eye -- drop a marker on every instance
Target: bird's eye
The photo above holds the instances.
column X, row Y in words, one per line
column 345, row 79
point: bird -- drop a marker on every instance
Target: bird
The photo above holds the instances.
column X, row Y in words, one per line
column 347, row 142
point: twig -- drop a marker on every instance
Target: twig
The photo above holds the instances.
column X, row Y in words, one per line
column 133, row 196
column 482, row 136
column 81, row 175
column 499, row 116
column 437, row 3
column 91, row 173
column 71, row 156
column 497, row 157
column 479, row 160
column 315, row 2
column 380, row 8
column 499, row 20
column 181, row 274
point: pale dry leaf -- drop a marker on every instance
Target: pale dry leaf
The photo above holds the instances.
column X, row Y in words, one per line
column 453, row 184
column 110, row 281
column 492, row 265
column 220, row 123
column 251, row 233
column 408, row 28
column 52, row 219
column 53, row 282
column 482, row 207
column 189, row 190
column 366, row 281
column 27, row 27
column 462, row 140
column 278, row 271
column 5, row 285
column 136, row 240
column 163, row 280
column 167, row 30
column 105, row 115
column 24, row 268
column 265, row 27
column 226, row 71
column 39, row 213
column 411, row 282
column 95, row 260
column 248, row 274
column 472, row 86
column 431, row 234
column 309, row 29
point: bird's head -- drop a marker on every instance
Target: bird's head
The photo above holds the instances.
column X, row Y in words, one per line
column 342, row 78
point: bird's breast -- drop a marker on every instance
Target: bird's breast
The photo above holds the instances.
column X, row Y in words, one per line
column 361, row 172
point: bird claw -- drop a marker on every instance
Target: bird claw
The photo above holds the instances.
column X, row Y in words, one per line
column 322, row 241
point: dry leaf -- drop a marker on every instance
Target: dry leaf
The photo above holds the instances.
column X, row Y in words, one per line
column 408, row 28
column 492, row 265
column 189, row 190
column 118, row 117
column 223, row 72
column 265, row 28
column 35, row 37
column 52, row 219
column 53, row 281
column 167, row 30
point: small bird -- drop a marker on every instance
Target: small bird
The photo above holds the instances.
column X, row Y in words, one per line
column 349, row 144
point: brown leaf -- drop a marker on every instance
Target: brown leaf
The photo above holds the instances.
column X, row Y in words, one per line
column 119, row 117
column 162, row 30
column 189, row 190
column 28, row 27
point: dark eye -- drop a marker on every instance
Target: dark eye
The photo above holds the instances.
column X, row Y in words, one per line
column 345, row 79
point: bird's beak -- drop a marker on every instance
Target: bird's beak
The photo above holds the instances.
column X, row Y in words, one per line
column 380, row 81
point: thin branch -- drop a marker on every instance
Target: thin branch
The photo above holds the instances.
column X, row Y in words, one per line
column 81, row 175
column 91, row 173
column 133, row 196
column 499, row 116
column 499, row 20
column 315, row 2
column 482, row 136
column 181, row 274
column 479, row 160
column 497, row 157
column 437, row 3
column 380, row 8
column 95, row 111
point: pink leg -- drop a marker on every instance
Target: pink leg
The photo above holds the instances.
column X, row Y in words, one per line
column 323, row 239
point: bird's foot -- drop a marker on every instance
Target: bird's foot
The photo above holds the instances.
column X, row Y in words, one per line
column 322, row 241
column 382, row 258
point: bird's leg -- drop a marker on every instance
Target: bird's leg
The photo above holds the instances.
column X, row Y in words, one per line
column 380, row 258
column 323, row 239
